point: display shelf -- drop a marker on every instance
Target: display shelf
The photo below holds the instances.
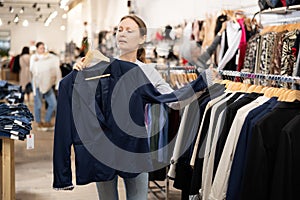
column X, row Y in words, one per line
column 7, row 172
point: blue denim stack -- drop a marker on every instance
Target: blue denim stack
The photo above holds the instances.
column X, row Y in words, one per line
column 15, row 121
column 12, row 93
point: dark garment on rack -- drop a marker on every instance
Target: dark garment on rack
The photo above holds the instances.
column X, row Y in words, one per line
column 230, row 113
column 198, row 167
column 286, row 176
column 231, row 65
column 239, row 159
column 196, row 110
column 220, row 20
column 262, row 151
column 88, row 168
column 253, row 47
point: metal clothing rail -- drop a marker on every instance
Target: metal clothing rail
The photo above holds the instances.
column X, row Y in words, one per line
column 286, row 79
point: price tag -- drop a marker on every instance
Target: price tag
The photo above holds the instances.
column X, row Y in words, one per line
column 30, row 141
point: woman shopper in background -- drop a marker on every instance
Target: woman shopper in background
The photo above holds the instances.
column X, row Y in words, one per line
column 131, row 35
column 25, row 74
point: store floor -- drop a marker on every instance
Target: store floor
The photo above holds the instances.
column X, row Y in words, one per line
column 33, row 169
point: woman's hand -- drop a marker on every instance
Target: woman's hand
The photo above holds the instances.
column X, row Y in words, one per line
column 79, row 65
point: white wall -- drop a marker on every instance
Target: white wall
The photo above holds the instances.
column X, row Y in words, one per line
column 159, row 13
column 52, row 36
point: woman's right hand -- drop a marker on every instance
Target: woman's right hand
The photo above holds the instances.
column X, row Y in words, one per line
column 79, row 65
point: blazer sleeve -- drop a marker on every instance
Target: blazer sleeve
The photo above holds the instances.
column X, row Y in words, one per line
column 62, row 173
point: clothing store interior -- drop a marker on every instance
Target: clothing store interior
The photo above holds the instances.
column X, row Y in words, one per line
column 210, row 112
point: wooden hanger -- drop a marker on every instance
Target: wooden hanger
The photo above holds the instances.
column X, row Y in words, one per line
column 251, row 89
column 94, row 56
column 293, row 95
column 258, row 89
column 244, row 87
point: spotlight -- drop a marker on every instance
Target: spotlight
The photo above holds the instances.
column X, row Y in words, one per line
column 8, row 22
column 11, row 9
column 34, row 5
column 22, row 9
column 16, row 19
column 1, row 4
column 48, row 5
column 38, row 9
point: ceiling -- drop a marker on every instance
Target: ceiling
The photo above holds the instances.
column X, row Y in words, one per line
column 33, row 10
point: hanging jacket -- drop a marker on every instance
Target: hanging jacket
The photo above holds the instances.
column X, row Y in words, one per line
column 90, row 117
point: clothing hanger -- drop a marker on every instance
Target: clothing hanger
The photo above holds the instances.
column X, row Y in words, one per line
column 94, row 56
column 251, row 89
column 245, row 87
column 293, row 95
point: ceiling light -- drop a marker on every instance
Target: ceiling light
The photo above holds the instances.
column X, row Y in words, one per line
column 64, row 16
column 48, row 5
column 1, row 22
column 34, row 5
column 11, row 9
column 62, row 28
column 38, row 9
column 22, row 10
column 16, row 19
column 8, row 22
column 63, row 3
column 25, row 23
column 53, row 15
column 1, row 4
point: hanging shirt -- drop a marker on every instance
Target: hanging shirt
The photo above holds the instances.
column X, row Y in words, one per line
column 234, row 34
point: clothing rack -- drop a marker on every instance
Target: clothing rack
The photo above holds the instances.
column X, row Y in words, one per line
column 157, row 188
column 272, row 77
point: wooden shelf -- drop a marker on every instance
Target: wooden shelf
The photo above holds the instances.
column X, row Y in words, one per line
column 7, row 172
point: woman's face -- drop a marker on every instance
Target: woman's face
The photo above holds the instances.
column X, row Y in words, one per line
column 41, row 49
column 128, row 36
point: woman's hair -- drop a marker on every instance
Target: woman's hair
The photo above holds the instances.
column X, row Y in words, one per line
column 141, row 53
column 39, row 44
column 25, row 50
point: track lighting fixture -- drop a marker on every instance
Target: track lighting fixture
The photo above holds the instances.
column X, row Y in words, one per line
column 22, row 10
column 11, row 9
column 16, row 19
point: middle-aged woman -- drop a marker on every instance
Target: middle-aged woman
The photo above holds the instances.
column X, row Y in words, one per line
column 131, row 35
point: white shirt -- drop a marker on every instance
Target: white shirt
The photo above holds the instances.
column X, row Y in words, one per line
column 234, row 35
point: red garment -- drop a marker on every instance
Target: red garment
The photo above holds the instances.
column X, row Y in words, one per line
column 283, row 3
column 11, row 63
column 242, row 46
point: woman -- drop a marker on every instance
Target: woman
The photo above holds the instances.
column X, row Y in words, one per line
column 131, row 35
column 25, row 75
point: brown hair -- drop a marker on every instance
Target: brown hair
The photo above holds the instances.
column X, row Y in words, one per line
column 141, row 53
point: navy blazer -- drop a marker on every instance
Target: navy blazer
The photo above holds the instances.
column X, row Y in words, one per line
column 90, row 116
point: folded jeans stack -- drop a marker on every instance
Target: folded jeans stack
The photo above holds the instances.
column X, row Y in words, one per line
column 15, row 121
column 12, row 93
